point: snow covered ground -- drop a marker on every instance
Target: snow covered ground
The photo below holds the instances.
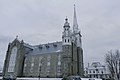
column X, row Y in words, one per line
column 38, row 78
column 89, row 78
column 47, row 78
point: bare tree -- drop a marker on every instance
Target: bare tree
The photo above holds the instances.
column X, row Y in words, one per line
column 112, row 59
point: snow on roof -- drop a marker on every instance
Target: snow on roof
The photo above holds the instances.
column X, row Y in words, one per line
column 40, row 78
column 45, row 48
column 28, row 46
column 96, row 64
column 52, row 78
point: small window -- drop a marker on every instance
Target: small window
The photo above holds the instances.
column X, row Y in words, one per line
column 98, row 71
column 32, row 64
column 48, row 58
column 55, row 45
column 90, row 71
column 25, row 65
column 59, row 63
column 90, row 76
column 102, row 72
column 65, row 40
column 59, row 68
column 59, row 57
column 48, row 69
column 68, row 47
column 40, row 47
column 48, row 63
column 68, row 40
column 47, row 46
column 32, row 59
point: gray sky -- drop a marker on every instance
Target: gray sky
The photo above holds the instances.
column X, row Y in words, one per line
column 41, row 21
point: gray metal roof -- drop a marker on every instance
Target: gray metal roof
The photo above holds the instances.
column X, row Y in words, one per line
column 45, row 48
column 28, row 46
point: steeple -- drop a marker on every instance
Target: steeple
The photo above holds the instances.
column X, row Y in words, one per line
column 76, row 31
column 75, row 25
column 66, row 23
column 66, row 37
column 66, row 27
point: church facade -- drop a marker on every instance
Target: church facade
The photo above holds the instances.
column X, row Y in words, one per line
column 57, row 59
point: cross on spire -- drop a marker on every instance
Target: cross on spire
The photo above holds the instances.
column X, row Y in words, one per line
column 17, row 37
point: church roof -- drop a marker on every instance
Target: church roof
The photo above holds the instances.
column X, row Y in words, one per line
column 28, row 46
column 54, row 47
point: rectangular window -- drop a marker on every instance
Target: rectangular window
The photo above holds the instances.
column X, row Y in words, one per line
column 59, row 63
column 25, row 65
column 32, row 67
column 68, row 40
column 31, row 70
column 59, row 57
column 89, row 71
column 48, row 69
column 48, row 58
column 48, row 63
column 32, row 64
column 59, row 68
column 65, row 40
column 32, row 59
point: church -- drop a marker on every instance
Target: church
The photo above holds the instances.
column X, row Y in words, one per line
column 57, row 59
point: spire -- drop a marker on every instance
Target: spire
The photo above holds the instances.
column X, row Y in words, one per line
column 75, row 25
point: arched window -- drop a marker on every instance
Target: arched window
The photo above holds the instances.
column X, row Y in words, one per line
column 12, row 59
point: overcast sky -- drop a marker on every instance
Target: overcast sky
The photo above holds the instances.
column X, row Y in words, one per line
column 41, row 21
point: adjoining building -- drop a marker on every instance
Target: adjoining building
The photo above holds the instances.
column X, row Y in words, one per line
column 96, row 70
column 57, row 59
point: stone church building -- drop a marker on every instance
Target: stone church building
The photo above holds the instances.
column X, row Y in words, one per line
column 57, row 59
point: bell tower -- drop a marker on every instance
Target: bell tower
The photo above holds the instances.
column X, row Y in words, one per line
column 66, row 37
column 66, row 47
